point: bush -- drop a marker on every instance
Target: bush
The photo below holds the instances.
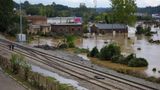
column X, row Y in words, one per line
column 139, row 29
column 70, row 41
column 85, row 29
column 16, row 61
column 94, row 52
column 128, row 59
column 81, row 50
column 118, row 59
column 109, row 51
column 146, row 31
column 71, row 45
column 138, row 62
column 27, row 69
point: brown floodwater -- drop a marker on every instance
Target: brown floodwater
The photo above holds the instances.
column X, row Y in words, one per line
column 149, row 51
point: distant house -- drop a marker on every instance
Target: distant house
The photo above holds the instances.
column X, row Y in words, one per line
column 109, row 28
column 35, row 29
column 58, row 20
column 38, row 24
column 67, row 28
column 36, row 20
column 157, row 16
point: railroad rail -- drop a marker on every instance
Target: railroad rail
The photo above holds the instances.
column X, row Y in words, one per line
column 50, row 59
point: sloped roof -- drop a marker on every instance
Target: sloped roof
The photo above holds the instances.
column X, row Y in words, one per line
column 111, row 26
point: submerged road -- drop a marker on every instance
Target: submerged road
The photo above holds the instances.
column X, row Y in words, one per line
column 87, row 73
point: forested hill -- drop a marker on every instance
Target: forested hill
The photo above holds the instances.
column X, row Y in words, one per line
column 150, row 10
column 61, row 10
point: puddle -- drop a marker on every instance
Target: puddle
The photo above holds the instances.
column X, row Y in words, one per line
column 59, row 78
column 84, row 57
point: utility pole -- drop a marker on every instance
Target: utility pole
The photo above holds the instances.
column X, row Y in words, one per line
column 21, row 37
column 21, row 18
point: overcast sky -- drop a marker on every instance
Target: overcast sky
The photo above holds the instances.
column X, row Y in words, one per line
column 89, row 3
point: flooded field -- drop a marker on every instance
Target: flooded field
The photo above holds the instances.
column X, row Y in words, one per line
column 149, row 51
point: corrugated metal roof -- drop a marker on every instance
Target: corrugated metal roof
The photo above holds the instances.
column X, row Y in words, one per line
column 61, row 24
column 111, row 26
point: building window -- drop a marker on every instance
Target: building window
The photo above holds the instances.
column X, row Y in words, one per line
column 72, row 29
column 79, row 29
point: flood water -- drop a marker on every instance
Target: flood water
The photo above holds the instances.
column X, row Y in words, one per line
column 149, row 51
column 59, row 78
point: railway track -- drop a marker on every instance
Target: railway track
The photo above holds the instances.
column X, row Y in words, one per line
column 57, row 66
column 89, row 69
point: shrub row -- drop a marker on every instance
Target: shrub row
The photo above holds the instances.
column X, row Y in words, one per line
column 112, row 52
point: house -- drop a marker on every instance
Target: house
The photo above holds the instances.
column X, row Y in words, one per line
column 109, row 28
column 36, row 29
column 38, row 24
column 156, row 16
column 67, row 28
column 58, row 20
column 36, row 20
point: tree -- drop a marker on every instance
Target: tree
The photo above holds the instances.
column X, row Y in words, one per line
column 6, row 12
column 138, row 62
column 139, row 29
column 13, row 28
column 70, row 41
column 85, row 29
column 94, row 52
column 108, row 52
column 123, row 11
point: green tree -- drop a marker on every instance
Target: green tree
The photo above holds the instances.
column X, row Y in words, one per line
column 13, row 28
column 94, row 52
column 16, row 62
column 70, row 41
column 85, row 29
column 108, row 52
column 138, row 62
column 123, row 11
column 6, row 12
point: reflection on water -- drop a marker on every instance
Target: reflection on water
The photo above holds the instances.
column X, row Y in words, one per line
column 149, row 51
column 101, row 41
column 58, row 77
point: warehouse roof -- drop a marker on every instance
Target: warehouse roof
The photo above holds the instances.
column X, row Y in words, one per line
column 111, row 26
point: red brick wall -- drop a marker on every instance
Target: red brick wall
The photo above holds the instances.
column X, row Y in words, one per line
column 69, row 29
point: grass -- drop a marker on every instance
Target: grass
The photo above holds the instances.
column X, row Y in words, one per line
column 21, row 80
column 133, row 71
column 115, row 66
column 77, row 50
column 61, row 86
